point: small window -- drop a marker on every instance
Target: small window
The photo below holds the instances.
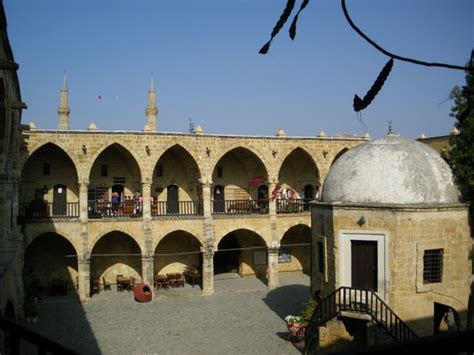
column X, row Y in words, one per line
column 46, row 169
column 159, row 170
column 104, row 170
column 219, row 171
column 432, row 266
column 321, row 257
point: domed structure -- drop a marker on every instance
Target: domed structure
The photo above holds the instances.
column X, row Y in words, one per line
column 390, row 170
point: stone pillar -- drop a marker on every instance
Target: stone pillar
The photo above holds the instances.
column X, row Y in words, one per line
column 272, row 273
column 208, row 272
column 206, row 199
column 146, row 193
column 147, row 270
column 83, row 207
column 271, row 200
column 84, row 271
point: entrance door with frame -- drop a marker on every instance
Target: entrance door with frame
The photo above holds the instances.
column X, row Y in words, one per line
column 364, row 264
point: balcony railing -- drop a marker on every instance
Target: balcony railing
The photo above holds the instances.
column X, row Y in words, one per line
column 106, row 209
column 178, row 208
column 293, row 205
column 240, row 207
column 42, row 209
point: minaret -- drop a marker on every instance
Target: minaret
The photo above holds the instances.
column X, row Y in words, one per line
column 151, row 109
column 63, row 108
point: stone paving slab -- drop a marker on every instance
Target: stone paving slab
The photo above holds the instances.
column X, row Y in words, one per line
column 242, row 317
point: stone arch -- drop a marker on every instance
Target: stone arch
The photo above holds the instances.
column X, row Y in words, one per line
column 115, row 164
column 47, row 166
column 299, row 147
column 48, row 258
column 116, row 142
column 235, row 170
column 176, row 166
column 241, row 250
column 115, row 253
column 339, row 154
column 47, row 228
column 295, row 243
column 177, row 251
column 234, row 146
column 39, row 145
column 297, row 170
column 93, row 240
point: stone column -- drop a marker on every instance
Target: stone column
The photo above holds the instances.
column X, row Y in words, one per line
column 83, row 207
column 271, row 200
column 147, row 270
column 272, row 273
column 146, row 193
column 208, row 272
column 84, row 271
column 206, row 199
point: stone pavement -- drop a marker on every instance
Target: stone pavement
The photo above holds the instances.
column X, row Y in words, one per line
column 242, row 317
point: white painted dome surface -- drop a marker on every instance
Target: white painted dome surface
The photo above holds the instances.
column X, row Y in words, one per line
column 390, row 170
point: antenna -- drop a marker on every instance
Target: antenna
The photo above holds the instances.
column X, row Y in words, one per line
column 191, row 125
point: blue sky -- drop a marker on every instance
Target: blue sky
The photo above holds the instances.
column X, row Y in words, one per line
column 205, row 63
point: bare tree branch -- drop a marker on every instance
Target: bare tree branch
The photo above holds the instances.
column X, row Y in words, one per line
column 395, row 56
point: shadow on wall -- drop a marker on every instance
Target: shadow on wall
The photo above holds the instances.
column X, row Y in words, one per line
column 51, row 290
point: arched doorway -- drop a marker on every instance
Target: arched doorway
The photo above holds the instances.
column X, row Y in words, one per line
column 227, row 257
column 242, row 252
column 219, row 198
column 50, row 266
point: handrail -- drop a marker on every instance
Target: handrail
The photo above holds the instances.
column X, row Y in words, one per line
column 14, row 332
column 357, row 300
column 176, row 208
column 41, row 209
column 293, row 205
column 239, row 206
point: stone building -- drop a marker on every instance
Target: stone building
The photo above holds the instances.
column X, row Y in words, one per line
column 11, row 248
column 96, row 204
column 390, row 222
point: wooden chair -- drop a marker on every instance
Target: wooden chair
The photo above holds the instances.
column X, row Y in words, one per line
column 95, row 286
column 131, row 284
column 106, row 284
column 119, row 283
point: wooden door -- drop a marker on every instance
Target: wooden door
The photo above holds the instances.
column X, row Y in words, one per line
column 219, row 204
column 59, row 200
column 364, row 264
column 172, row 206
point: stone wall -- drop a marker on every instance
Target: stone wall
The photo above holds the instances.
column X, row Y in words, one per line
column 406, row 234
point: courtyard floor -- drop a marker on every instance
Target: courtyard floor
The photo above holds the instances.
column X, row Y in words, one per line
column 242, row 317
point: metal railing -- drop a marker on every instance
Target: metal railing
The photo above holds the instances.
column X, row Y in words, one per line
column 293, row 205
column 15, row 335
column 43, row 209
column 240, row 206
column 348, row 299
column 178, row 208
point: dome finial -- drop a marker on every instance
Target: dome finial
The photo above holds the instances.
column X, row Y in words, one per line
column 390, row 128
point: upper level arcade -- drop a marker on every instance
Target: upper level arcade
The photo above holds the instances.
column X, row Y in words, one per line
column 156, row 175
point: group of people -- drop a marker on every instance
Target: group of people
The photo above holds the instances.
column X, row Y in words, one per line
column 127, row 204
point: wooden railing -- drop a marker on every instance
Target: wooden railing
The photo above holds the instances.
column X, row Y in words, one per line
column 179, row 208
column 14, row 335
column 240, row 206
column 348, row 299
column 106, row 209
column 42, row 209
column 292, row 205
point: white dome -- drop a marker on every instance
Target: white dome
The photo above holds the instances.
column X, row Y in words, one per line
column 391, row 170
